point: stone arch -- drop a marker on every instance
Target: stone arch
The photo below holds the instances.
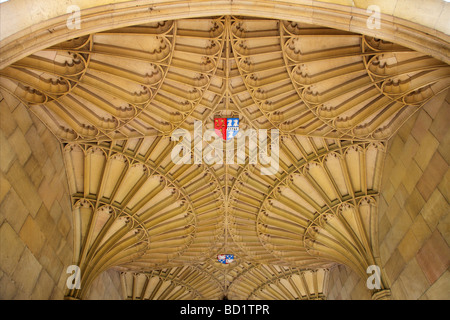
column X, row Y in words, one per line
column 21, row 37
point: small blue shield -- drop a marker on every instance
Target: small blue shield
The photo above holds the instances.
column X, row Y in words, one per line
column 232, row 127
column 225, row 258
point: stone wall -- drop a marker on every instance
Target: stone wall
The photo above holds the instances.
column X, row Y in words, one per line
column 36, row 231
column 344, row 284
column 414, row 221
column 35, row 212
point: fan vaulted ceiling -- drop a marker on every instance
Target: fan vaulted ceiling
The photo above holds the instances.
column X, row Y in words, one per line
column 114, row 98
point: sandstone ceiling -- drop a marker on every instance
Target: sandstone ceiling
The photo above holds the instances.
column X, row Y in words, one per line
column 114, row 98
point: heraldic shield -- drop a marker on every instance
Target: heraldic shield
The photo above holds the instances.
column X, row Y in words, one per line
column 226, row 128
column 225, row 258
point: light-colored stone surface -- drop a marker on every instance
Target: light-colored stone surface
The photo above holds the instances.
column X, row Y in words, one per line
column 12, row 248
column 440, row 288
column 413, row 23
column 414, row 245
column 434, row 257
column 414, row 204
column 431, row 14
column 107, row 286
column 413, row 281
column 344, row 284
column 36, row 246
column 36, row 232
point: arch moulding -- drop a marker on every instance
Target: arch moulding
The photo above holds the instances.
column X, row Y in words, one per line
column 35, row 31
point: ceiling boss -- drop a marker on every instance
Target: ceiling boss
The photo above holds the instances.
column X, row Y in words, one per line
column 223, row 133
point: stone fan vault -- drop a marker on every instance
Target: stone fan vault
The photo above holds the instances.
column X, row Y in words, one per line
column 113, row 98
